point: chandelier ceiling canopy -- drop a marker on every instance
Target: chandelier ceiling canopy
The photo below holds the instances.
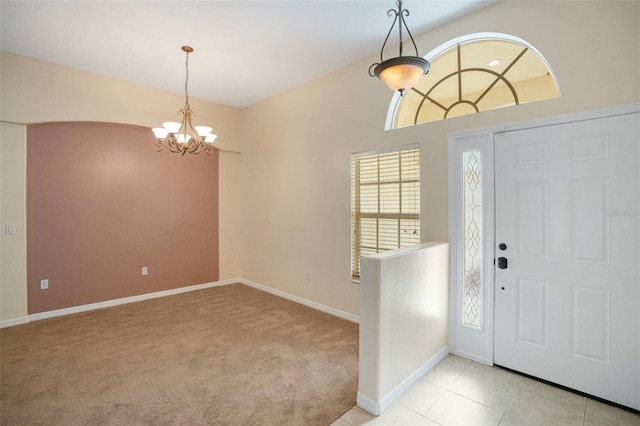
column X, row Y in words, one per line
column 182, row 137
column 402, row 72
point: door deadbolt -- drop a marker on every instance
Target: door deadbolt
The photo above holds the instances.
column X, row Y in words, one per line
column 502, row 262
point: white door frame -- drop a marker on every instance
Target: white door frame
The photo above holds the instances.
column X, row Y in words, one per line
column 476, row 343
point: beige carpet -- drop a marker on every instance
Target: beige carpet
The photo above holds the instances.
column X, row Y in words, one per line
column 229, row 355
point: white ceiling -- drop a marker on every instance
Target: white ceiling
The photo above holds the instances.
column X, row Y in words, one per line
column 244, row 51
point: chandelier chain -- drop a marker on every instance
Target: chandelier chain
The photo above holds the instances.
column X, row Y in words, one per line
column 186, row 82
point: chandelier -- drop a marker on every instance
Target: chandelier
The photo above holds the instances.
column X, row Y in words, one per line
column 400, row 73
column 182, row 137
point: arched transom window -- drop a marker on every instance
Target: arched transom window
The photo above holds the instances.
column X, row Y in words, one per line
column 475, row 73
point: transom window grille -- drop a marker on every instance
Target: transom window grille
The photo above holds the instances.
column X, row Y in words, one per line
column 473, row 238
column 476, row 73
column 385, row 202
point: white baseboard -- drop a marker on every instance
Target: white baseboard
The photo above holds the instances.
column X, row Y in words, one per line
column 306, row 302
column 14, row 321
column 115, row 302
column 367, row 404
column 378, row 407
column 472, row 357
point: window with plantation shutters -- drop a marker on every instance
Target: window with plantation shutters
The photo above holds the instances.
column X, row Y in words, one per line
column 385, row 202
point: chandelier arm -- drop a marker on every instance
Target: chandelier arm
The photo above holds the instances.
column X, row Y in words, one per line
column 197, row 149
column 195, row 137
column 174, row 145
column 170, row 143
column 183, row 128
column 193, row 147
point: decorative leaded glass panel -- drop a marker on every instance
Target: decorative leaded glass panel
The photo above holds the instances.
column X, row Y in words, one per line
column 472, row 262
column 478, row 74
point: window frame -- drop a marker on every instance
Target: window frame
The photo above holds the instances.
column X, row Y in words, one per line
column 408, row 210
column 392, row 111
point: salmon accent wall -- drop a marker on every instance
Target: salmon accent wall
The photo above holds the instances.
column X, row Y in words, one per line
column 102, row 204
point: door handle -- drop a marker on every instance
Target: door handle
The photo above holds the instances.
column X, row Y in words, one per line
column 502, row 262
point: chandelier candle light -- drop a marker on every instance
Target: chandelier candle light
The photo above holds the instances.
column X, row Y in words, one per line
column 403, row 72
column 182, row 137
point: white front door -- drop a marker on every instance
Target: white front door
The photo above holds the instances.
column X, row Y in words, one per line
column 567, row 294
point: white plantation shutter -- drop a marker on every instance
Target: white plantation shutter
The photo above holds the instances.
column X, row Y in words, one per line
column 385, row 202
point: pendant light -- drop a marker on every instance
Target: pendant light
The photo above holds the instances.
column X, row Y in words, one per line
column 403, row 72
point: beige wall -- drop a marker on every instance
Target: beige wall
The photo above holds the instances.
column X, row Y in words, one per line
column 298, row 144
column 13, row 248
column 285, row 200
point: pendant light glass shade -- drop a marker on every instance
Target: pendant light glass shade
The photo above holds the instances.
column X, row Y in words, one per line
column 400, row 74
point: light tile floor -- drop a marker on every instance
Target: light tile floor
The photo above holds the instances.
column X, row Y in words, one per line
column 461, row 392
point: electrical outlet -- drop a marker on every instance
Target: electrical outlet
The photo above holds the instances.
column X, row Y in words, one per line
column 308, row 276
column 44, row 284
column 145, row 271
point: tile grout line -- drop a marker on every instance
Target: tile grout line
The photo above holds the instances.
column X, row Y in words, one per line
column 481, row 403
column 512, row 398
column 467, row 398
column 446, row 389
column 434, row 402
